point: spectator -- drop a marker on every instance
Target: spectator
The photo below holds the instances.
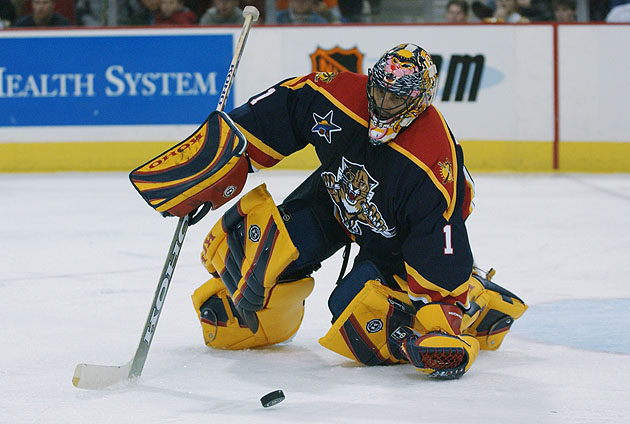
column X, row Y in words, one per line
column 359, row 10
column 327, row 9
column 535, row 10
column 456, row 11
column 90, row 12
column 199, row 7
column 146, row 13
column 598, row 9
column 173, row 12
column 619, row 14
column 43, row 15
column 64, row 7
column 564, row 10
column 7, row 13
column 482, row 11
column 352, row 10
column 507, row 11
column 300, row 12
column 223, row 12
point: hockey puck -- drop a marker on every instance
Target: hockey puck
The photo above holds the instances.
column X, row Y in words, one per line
column 272, row 398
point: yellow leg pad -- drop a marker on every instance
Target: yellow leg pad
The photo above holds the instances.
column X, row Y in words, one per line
column 496, row 312
column 223, row 329
column 260, row 210
column 262, row 227
column 361, row 332
column 440, row 317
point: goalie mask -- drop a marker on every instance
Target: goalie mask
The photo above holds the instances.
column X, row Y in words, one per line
column 400, row 87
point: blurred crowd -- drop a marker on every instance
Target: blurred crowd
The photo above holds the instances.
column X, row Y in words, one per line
column 91, row 13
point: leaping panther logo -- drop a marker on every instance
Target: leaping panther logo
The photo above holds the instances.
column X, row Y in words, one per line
column 352, row 190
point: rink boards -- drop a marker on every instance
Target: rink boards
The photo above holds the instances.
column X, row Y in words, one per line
column 518, row 97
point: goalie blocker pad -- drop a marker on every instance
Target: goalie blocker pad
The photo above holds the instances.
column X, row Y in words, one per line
column 209, row 166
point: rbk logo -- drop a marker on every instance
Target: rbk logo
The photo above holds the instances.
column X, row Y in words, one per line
column 324, row 127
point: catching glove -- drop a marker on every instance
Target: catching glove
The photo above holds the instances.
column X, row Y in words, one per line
column 438, row 355
column 441, row 351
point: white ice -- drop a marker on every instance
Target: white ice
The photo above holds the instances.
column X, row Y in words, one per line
column 81, row 255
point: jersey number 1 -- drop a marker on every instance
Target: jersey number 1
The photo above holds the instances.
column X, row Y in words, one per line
column 262, row 96
column 448, row 245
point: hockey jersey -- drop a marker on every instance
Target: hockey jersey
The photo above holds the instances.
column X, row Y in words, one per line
column 404, row 202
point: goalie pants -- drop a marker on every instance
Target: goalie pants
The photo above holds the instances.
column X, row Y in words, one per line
column 367, row 304
column 318, row 236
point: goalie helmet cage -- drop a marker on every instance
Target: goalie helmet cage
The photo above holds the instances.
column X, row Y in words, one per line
column 89, row 376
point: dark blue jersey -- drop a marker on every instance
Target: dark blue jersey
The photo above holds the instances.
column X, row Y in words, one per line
column 404, row 202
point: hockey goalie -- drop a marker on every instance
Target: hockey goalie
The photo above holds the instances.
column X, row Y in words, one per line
column 392, row 180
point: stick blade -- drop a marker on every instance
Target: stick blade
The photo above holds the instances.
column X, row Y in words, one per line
column 95, row 377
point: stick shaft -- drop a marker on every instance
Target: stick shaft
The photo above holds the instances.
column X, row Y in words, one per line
column 236, row 59
column 182, row 226
column 160, row 296
column 98, row 376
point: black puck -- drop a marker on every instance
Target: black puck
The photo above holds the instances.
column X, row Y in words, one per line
column 272, row 398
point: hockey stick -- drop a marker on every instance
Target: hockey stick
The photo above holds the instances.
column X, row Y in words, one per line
column 89, row 376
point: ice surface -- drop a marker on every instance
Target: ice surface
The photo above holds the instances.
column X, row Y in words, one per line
column 81, row 255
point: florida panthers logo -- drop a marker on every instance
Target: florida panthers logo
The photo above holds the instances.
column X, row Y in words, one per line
column 352, row 190
column 326, row 77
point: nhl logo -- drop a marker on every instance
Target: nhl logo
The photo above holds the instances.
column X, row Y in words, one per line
column 254, row 233
column 337, row 60
column 374, row 325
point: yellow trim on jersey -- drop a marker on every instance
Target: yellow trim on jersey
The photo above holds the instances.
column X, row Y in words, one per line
column 438, row 184
column 260, row 145
column 428, row 171
column 462, row 288
column 292, row 81
column 470, row 184
column 451, row 206
column 290, row 84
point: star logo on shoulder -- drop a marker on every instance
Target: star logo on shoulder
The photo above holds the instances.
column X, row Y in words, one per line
column 324, row 127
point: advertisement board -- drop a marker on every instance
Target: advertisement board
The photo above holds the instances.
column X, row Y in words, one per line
column 487, row 90
column 538, row 97
column 128, row 79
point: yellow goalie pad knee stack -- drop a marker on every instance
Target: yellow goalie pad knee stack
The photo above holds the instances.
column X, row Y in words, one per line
column 361, row 331
column 367, row 331
column 223, row 329
column 493, row 310
column 263, row 250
